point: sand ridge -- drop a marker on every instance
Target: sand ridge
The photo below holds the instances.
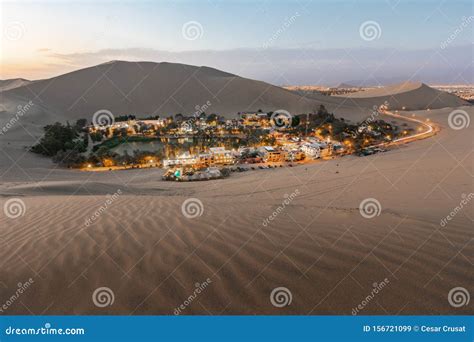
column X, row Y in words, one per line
column 320, row 247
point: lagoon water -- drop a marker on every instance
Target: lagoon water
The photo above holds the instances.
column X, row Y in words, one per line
column 176, row 145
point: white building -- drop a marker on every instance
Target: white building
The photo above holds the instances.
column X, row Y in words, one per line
column 221, row 156
column 183, row 160
column 312, row 150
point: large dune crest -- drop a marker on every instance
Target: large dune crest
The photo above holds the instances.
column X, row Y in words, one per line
column 146, row 88
column 149, row 88
column 13, row 83
column 407, row 95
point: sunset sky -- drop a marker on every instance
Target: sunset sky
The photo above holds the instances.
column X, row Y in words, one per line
column 42, row 39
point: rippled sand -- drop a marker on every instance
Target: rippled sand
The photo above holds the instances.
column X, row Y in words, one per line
column 318, row 246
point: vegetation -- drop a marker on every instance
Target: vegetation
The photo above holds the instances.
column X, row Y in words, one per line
column 58, row 138
column 64, row 143
column 67, row 144
column 124, row 118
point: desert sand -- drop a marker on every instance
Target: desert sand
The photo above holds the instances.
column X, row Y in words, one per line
column 13, row 83
column 319, row 246
column 148, row 88
column 406, row 96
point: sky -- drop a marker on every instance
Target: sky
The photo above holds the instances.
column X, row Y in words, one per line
column 283, row 42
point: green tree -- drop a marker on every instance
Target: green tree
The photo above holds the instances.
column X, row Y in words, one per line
column 55, row 139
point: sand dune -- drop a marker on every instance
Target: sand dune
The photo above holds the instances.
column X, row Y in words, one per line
column 408, row 96
column 146, row 88
column 13, row 83
column 388, row 90
column 319, row 247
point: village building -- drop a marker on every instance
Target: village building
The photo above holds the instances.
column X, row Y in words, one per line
column 221, row 156
column 183, row 160
column 295, row 155
column 312, row 150
column 272, row 155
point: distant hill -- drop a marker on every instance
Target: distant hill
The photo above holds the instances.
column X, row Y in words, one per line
column 372, row 81
column 146, row 88
column 407, row 95
column 13, row 83
column 347, row 86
